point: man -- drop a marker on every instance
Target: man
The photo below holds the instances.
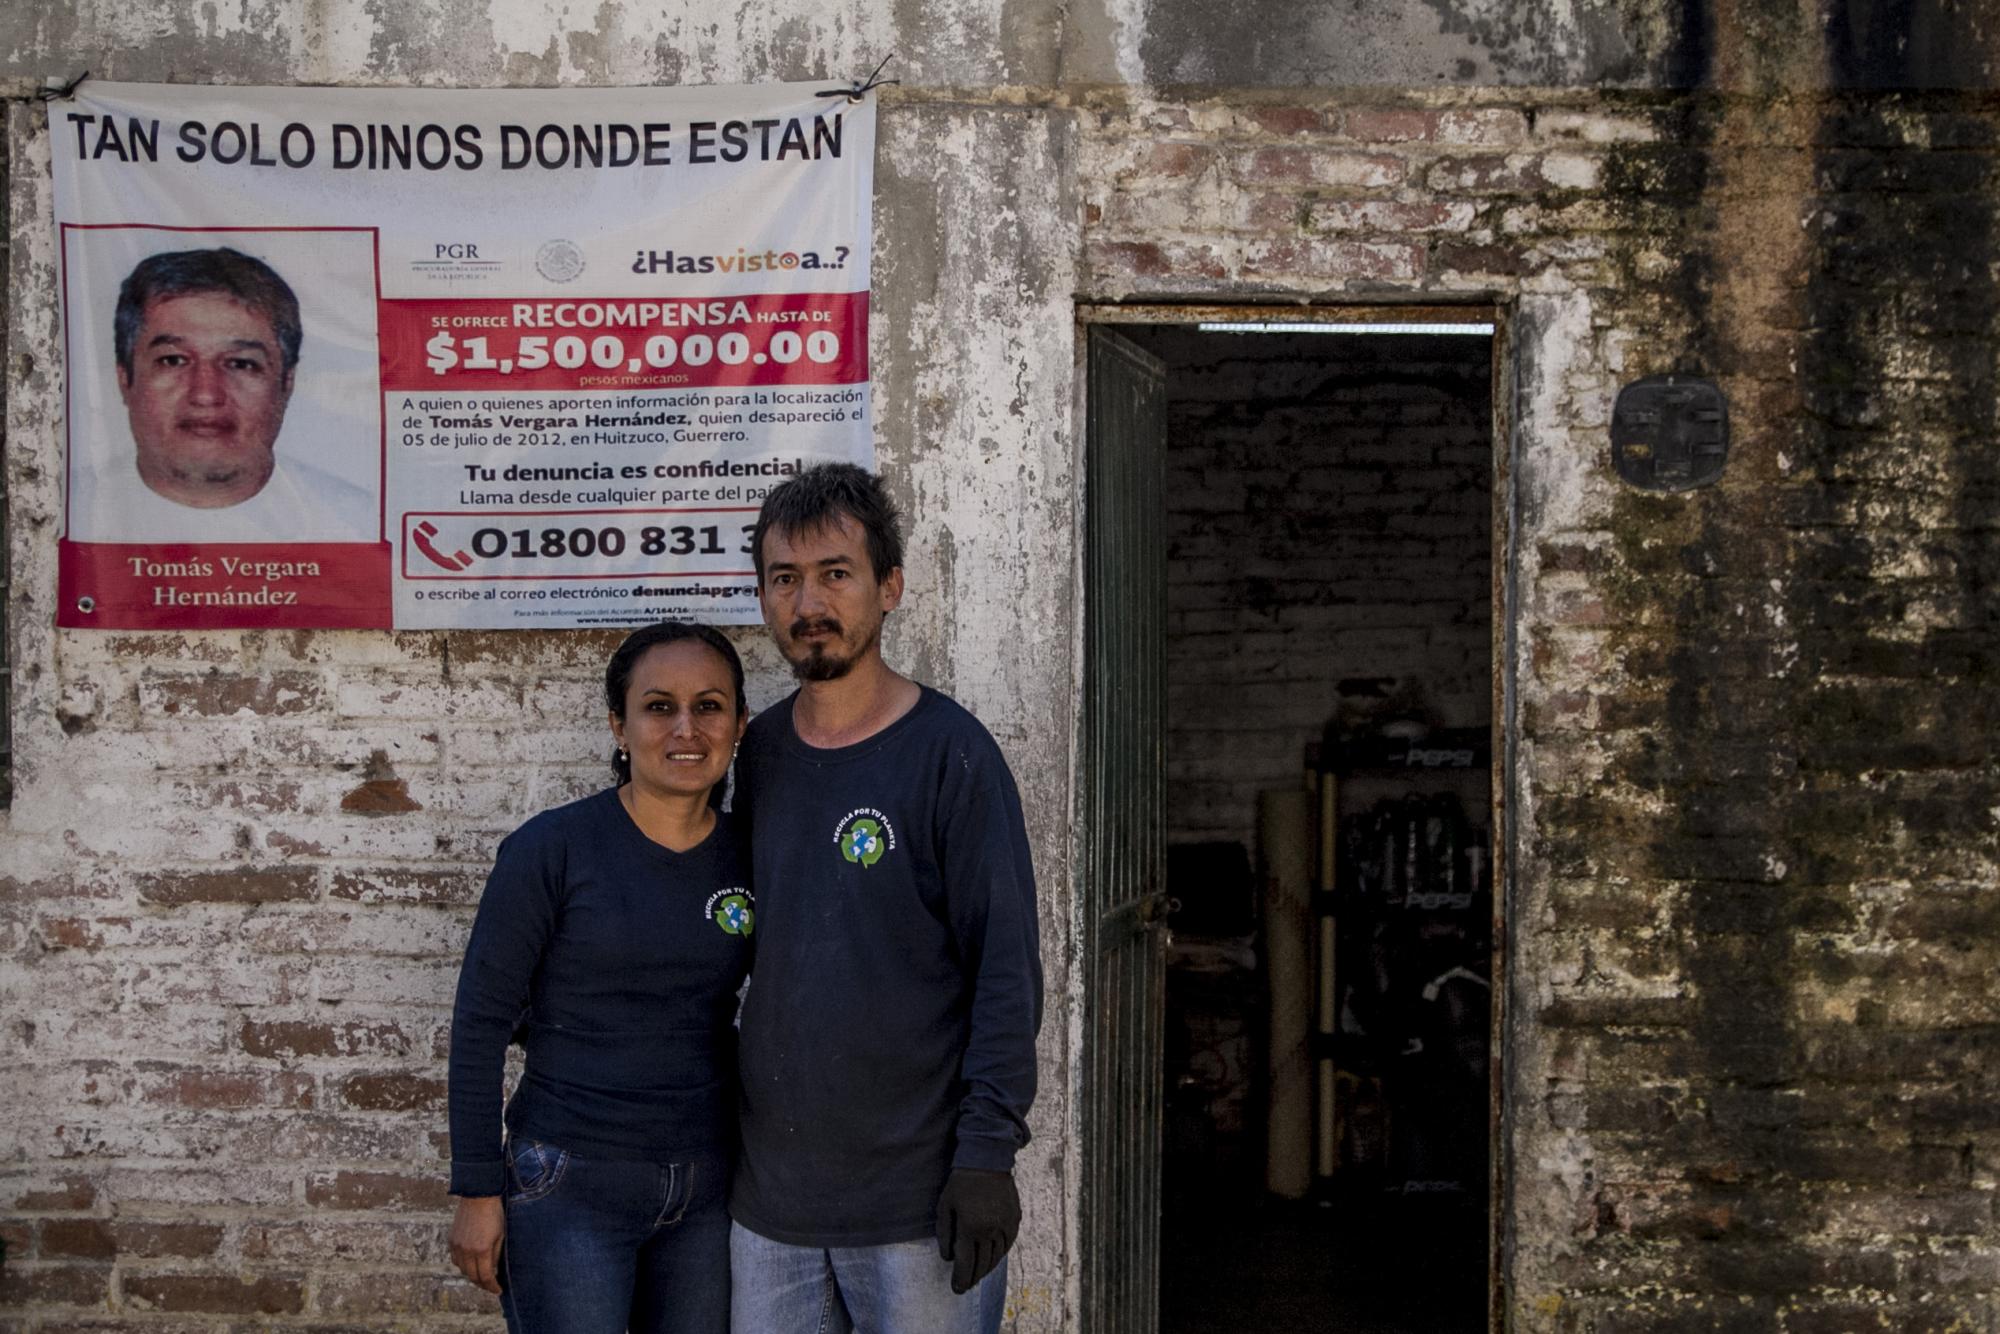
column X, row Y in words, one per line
column 207, row 346
column 888, row 1036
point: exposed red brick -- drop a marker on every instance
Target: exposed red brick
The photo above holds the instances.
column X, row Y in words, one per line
column 376, row 1190
column 69, row 933
column 1465, row 257
column 395, row 885
column 261, row 797
column 1149, row 260
column 18, row 1236
column 1338, row 261
column 221, row 1293
column 1358, row 171
column 393, row 1091
column 14, row 889
column 1274, row 211
column 380, row 796
column 78, row 1239
column 357, row 1241
column 1488, row 172
column 1287, row 120
column 226, row 1089
column 289, row 1039
column 32, row 1284
column 242, row 884
column 220, row 695
column 285, row 845
column 1576, row 607
column 1272, row 166
column 1179, row 160
column 406, row 1294
column 66, row 1194
column 150, row 1241
column 1388, row 125
column 1136, row 257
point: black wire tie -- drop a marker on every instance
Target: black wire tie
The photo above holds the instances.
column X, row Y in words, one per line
column 859, row 89
column 64, row 93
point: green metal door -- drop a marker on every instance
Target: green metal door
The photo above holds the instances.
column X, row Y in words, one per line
column 1124, row 699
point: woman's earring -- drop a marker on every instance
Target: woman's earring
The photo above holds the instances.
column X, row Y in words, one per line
column 736, row 750
column 624, row 756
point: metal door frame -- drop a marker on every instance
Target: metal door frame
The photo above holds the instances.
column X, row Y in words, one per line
column 1122, row 932
column 1505, row 621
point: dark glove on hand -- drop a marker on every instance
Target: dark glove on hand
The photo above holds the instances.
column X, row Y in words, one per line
column 978, row 1217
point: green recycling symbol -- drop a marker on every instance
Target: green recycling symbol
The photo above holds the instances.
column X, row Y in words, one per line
column 863, row 842
column 733, row 915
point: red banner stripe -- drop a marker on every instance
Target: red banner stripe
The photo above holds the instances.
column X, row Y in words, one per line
column 224, row 585
column 623, row 344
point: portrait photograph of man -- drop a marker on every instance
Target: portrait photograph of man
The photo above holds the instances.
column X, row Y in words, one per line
column 235, row 411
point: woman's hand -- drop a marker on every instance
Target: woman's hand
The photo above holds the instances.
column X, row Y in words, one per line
column 477, row 1231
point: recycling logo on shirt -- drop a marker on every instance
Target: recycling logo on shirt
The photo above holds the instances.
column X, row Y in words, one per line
column 730, row 909
column 865, row 836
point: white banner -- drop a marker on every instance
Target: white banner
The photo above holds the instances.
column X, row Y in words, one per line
column 517, row 358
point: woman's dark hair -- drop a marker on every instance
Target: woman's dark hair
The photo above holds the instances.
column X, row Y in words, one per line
column 819, row 498
column 618, row 676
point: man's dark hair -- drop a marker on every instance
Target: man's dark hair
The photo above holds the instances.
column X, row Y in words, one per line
column 818, row 498
column 192, row 272
column 618, row 676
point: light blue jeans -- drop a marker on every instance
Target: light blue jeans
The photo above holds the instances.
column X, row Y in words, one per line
column 901, row 1288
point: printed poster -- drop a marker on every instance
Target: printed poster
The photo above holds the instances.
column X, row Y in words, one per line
column 414, row 358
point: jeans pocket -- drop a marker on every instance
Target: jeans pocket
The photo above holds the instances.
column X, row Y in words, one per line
column 533, row 1170
column 678, row 1194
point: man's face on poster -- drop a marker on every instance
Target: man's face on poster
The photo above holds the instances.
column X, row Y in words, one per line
column 206, row 396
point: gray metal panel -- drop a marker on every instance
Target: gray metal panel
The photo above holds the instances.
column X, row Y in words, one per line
column 1123, row 792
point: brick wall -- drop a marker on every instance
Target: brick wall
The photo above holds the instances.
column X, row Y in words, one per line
column 226, row 1016
column 1756, row 848
column 1328, row 522
column 238, row 870
column 1752, row 1025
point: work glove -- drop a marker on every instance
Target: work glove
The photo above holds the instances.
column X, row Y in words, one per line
column 978, row 1217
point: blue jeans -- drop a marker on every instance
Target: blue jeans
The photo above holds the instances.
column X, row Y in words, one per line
column 596, row 1246
column 901, row 1288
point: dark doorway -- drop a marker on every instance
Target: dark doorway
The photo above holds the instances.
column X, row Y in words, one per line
column 1325, row 1108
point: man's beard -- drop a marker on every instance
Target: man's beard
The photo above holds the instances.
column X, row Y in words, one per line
column 821, row 661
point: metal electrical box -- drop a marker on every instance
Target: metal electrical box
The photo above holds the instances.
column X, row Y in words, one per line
column 1670, row 433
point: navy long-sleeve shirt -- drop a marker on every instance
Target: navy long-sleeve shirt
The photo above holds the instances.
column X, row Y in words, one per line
column 889, row 1030
column 615, row 963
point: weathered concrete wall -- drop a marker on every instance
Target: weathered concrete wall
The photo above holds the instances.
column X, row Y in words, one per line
column 1752, row 1016
column 239, row 868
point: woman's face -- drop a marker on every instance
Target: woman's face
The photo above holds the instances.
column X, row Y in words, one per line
column 681, row 720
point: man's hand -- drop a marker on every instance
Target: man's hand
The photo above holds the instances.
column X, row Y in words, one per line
column 978, row 1216
column 477, row 1231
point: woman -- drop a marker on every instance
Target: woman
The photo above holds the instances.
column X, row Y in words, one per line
column 611, row 940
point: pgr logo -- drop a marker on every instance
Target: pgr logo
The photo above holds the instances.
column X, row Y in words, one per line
column 864, row 836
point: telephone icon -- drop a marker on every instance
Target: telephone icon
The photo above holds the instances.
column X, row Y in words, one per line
column 422, row 535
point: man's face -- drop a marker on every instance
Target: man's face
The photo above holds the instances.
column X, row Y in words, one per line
column 206, row 396
column 822, row 600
